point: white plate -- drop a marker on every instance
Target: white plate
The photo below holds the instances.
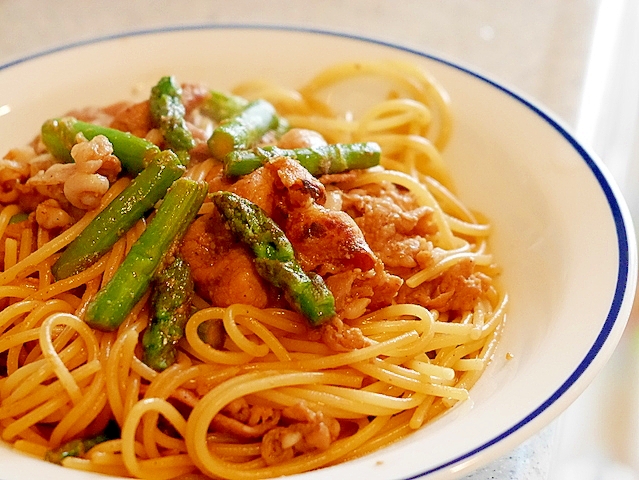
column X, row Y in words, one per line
column 562, row 232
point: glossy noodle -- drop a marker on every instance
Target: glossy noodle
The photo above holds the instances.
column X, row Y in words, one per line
column 418, row 306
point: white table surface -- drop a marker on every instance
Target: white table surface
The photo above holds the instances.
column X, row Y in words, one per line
column 578, row 59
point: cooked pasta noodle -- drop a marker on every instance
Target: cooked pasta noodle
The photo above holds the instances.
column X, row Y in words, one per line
column 270, row 395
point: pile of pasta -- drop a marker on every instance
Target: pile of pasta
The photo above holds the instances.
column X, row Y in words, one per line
column 60, row 379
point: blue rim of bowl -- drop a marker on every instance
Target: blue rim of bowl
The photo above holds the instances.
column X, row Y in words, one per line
column 613, row 202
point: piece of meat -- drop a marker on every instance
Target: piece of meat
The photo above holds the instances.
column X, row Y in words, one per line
column 135, row 119
column 341, row 338
column 394, row 226
column 312, row 431
column 222, row 269
column 457, row 289
column 327, row 241
column 244, row 420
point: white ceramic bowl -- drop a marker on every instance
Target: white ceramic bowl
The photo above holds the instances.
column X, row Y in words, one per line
column 562, row 232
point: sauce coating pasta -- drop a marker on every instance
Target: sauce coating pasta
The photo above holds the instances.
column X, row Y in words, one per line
column 250, row 386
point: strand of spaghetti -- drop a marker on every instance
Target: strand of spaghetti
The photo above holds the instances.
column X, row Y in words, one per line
column 113, row 260
column 435, row 95
column 449, row 202
column 419, row 415
column 393, row 114
column 479, row 318
column 30, row 448
column 431, row 272
column 469, row 378
column 391, row 326
column 237, row 450
column 425, row 326
column 401, row 144
column 45, row 277
column 17, row 291
column 18, row 339
column 42, row 237
column 231, row 314
column 451, row 328
column 38, row 314
column 26, row 244
column 411, row 384
column 360, row 401
column 337, row 406
column 115, row 446
column 82, row 414
column 441, row 341
column 76, row 463
column 168, row 442
column 30, row 434
column 29, row 376
column 90, row 290
column 496, row 317
column 5, row 217
column 18, row 378
column 46, row 392
column 285, row 320
column 35, row 317
column 448, row 358
column 203, row 413
column 437, row 371
column 396, row 311
column 394, row 429
column 468, row 229
column 10, row 252
column 158, row 468
column 469, row 364
column 286, row 399
column 72, row 282
column 162, row 387
column 341, row 359
column 121, row 349
column 62, row 240
column 142, row 369
column 455, row 333
column 12, row 312
column 205, row 351
column 50, row 353
column 270, row 340
column 421, row 193
column 34, row 416
column 384, row 388
column 296, row 345
column 419, row 84
column 131, row 393
column 419, row 346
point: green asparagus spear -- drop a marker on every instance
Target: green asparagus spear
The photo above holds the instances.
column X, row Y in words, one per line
column 79, row 446
column 221, row 106
column 59, row 135
column 275, row 257
column 18, row 218
column 243, row 130
column 317, row 160
column 154, row 247
column 120, row 215
column 172, row 293
column 167, row 112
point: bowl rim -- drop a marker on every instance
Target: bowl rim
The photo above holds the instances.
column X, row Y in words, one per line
column 627, row 265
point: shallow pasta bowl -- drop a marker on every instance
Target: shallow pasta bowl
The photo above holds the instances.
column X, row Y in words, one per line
column 562, row 233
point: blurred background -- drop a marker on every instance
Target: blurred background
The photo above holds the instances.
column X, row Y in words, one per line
column 579, row 59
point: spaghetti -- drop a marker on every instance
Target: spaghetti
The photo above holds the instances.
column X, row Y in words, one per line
column 271, row 395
